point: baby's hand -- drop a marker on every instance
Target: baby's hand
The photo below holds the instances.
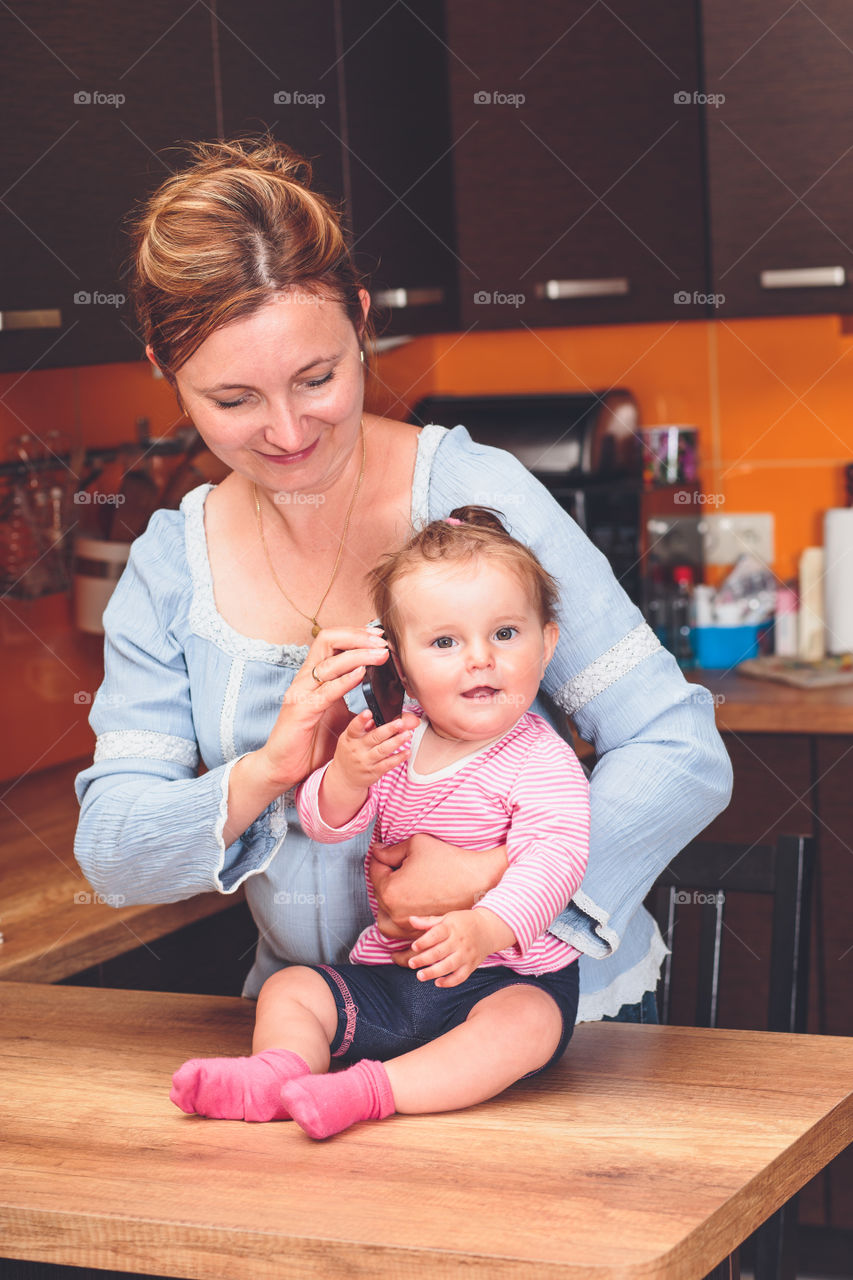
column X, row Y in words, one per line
column 457, row 943
column 365, row 753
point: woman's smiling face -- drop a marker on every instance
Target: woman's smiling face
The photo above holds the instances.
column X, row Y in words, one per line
column 278, row 395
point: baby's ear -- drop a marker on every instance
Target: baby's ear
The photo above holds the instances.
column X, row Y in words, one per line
column 551, row 634
column 398, row 667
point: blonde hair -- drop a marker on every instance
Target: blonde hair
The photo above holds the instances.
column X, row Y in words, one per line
column 467, row 533
column 220, row 238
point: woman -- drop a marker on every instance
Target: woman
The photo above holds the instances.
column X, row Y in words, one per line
column 240, row 625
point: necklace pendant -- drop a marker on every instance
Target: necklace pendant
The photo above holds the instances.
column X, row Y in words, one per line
column 315, row 630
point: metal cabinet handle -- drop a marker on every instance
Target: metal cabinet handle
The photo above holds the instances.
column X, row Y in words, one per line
column 399, row 298
column 804, row 278
column 555, row 290
column 45, row 319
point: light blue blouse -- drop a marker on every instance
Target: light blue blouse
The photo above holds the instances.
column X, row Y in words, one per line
column 182, row 686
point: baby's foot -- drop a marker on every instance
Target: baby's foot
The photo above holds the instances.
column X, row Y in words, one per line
column 327, row 1104
column 237, row 1088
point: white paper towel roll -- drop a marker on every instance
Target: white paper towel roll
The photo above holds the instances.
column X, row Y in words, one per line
column 838, row 579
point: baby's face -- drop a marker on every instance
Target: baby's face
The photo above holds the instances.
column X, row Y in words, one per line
column 472, row 647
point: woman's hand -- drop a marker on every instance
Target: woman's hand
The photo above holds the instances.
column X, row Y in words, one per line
column 424, row 876
column 312, row 717
column 313, row 713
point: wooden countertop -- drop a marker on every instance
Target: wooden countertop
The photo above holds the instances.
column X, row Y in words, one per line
column 647, row 1152
column 53, row 923
column 746, row 705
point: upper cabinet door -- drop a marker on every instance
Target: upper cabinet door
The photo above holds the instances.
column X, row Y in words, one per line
column 361, row 89
column 279, row 74
column 577, row 158
column 94, row 96
column 398, row 159
column 780, row 154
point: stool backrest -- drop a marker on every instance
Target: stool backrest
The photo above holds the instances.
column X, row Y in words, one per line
column 704, row 872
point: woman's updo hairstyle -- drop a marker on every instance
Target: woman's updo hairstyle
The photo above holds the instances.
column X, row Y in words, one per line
column 221, row 237
column 466, row 534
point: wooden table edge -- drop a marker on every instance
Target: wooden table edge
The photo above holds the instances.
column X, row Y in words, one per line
column 117, row 933
column 199, row 1251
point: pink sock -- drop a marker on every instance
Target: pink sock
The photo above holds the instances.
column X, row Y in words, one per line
column 237, row 1088
column 327, row 1104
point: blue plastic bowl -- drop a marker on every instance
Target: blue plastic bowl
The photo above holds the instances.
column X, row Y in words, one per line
column 725, row 646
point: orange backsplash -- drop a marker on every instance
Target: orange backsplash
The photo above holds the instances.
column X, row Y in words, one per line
column 772, row 400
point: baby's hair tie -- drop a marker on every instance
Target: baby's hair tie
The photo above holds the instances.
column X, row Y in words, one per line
column 453, row 520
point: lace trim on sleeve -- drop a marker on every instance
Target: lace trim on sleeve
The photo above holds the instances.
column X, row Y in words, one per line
column 144, row 744
column 205, row 619
column 428, row 442
column 626, row 654
column 626, row 988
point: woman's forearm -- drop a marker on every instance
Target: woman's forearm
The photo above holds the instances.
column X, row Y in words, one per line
column 146, row 836
column 432, row 879
column 251, row 790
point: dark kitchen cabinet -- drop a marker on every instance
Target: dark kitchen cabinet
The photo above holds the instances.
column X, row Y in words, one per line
column 278, row 74
column 498, row 166
column 398, row 159
column 779, row 128
column 93, row 94
column 578, row 165
column 361, row 90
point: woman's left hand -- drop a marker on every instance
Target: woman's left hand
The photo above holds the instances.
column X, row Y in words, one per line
column 427, row 876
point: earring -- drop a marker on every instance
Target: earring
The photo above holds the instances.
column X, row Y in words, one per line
column 361, row 353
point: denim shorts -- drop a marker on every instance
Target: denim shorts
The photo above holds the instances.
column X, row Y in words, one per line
column 384, row 1010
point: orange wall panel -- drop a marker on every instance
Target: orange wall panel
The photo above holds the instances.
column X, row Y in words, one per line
column 772, row 400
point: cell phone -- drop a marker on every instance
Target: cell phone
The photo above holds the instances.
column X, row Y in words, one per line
column 383, row 692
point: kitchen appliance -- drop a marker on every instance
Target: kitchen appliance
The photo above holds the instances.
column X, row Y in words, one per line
column 585, row 448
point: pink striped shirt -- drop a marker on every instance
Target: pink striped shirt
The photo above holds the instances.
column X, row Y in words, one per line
column 527, row 790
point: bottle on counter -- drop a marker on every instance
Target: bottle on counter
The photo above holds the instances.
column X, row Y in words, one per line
column 786, row 625
column 703, row 605
column 811, row 629
column 655, row 603
column 681, row 616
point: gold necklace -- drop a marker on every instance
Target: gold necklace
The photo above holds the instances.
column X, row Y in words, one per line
column 312, row 617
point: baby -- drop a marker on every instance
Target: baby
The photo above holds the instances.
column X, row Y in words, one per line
column 487, row 995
